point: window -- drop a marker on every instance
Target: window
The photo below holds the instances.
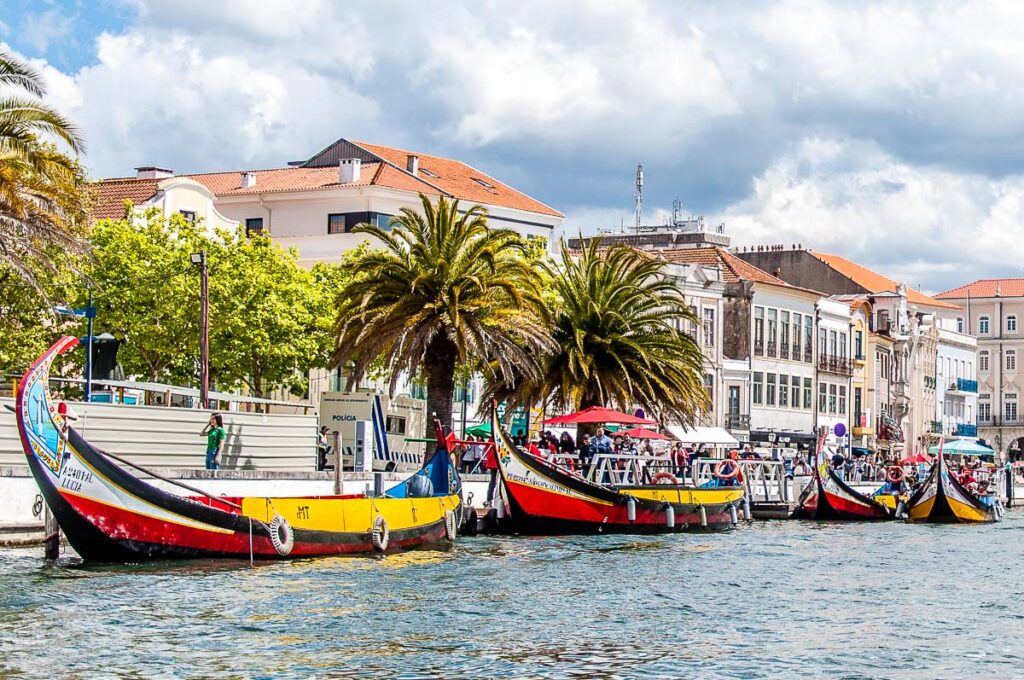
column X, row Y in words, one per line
column 795, row 339
column 832, row 398
column 984, row 411
column 807, row 393
column 189, row 215
column 833, row 343
column 795, row 397
column 709, row 326
column 759, row 331
column 808, row 339
column 959, row 324
column 773, row 315
column 822, row 397
column 1011, row 360
column 770, row 390
column 842, row 400
column 783, row 391
column 336, row 223
column 428, row 173
column 784, row 334
column 983, row 325
column 1010, row 411
column 858, row 344
column 842, row 345
column 383, row 221
column 822, row 342
column 254, row 226
column 395, row 424
column 488, row 187
column 1011, row 323
column 983, row 361
column 758, row 388
column 709, row 385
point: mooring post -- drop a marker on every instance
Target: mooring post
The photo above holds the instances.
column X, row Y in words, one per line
column 337, row 463
column 51, row 542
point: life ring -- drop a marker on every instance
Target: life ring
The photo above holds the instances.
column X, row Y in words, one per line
column 281, row 535
column 895, row 474
column 720, row 466
column 451, row 525
column 667, row 477
column 380, row 534
column 972, row 463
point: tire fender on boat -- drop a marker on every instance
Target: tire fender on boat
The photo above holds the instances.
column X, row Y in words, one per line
column 667, row 476
column 380, row 534
column 281, row 535
column 895, row 474
column 720, row 466
column 451, row 525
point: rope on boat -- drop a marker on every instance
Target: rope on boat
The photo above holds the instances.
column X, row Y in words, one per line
column 172, row 481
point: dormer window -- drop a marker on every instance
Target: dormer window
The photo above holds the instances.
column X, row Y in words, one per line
column 428, row 173
column 486, row 185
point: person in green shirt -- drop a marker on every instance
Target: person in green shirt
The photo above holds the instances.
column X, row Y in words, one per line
column 215, row 436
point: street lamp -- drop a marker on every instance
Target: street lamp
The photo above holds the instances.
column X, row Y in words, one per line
column 199, row 259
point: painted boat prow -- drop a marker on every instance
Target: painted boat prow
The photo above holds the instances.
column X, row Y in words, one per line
column 110, row 515
column 942, row 499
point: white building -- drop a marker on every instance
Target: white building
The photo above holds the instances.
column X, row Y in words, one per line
column 314, row 204
column 834, row 365
column 956, row 390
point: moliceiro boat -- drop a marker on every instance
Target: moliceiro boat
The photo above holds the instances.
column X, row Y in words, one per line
column 110, row 515
column 941, row 498
column 543, row 498
column 827, row 497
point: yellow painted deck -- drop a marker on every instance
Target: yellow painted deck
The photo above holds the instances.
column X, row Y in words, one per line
column 350, row 514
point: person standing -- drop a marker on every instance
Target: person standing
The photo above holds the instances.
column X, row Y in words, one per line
column 215, row 436
column 491, row 465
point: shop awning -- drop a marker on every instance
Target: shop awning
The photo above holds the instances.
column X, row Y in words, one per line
column 963, row 447
column 710, row 436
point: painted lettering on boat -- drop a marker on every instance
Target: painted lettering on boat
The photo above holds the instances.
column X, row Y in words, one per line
column 302, row 512
column 535, row 481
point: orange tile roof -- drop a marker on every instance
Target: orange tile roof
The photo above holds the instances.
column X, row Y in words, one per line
column 985, row 288
column 734, row 269
column 875, row 282
column 110, row 196
column 278, row 180
column 462, row 181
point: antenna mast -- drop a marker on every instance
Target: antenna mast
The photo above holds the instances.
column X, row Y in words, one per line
column 639, row 197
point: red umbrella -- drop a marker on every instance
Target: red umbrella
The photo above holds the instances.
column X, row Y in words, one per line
column 916, row 458
column 642, row 433
column 599, row 414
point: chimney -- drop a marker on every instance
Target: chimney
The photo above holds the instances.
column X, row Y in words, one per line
column 412, row 164
column 248, row 179
column 348, row 170
column 153, row 172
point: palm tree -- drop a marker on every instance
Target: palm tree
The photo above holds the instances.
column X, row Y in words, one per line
column 42, row 201
column 615, row 327
column 445, row 290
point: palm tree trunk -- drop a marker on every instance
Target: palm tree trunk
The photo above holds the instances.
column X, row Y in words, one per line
column 439, row 367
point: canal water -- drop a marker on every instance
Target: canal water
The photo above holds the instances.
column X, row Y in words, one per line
column 774, row 599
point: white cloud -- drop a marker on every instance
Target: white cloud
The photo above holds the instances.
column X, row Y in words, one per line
column 926, row 226
column 39, row 30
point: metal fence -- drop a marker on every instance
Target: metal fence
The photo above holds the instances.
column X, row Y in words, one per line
column 161, row 437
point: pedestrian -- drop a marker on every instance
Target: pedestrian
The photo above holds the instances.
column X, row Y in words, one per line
column 566, row 445
column 587, row 453
column 215, row 436
column 839, row 465
column 491, row 465
column 323, row 448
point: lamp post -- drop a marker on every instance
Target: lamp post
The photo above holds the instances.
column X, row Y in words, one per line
column 199, row 259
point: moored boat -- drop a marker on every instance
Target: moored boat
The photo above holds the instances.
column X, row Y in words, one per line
column 110, row 515
column 941, row 498
column 543, row 498
column 827, row 497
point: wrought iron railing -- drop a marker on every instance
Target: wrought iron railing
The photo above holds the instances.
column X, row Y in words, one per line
column 831, row 363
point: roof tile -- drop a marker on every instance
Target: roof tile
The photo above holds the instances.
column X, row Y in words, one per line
column 111, row 195
column 984, row 288
column 875, row 282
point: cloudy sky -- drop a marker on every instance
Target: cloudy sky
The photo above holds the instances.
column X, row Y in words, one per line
column 890, row 132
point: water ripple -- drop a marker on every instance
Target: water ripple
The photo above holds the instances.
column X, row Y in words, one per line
column 777, row 599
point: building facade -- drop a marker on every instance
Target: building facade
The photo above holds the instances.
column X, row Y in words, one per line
column 834, row 367
column 992, row 311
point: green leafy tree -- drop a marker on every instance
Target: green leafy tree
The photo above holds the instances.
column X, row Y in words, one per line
column 43, row 197
column 616, row 339
column 444, row 290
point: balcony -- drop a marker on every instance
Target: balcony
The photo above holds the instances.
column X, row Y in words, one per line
column 963, row 386
column 758, row 350
column 773, row 348
column 737, row 421
column 809, row 356
column 865, row 431
column 795, row 353
column 859, row 359
column 965, row 430
column 830, row 363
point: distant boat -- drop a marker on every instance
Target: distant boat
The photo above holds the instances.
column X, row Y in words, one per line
column 542, row 498
column 943, row 499
column 827, row 497
column 110, row 515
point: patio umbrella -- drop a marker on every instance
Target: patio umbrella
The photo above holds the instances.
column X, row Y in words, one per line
column 963, row 447
column 599, row 414
column 916, row 458
column 643, row 433
column 481, row 430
